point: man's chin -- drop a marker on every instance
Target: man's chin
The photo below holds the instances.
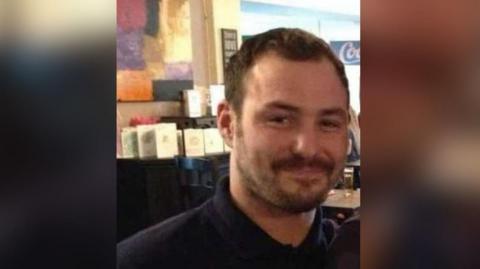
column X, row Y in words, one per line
column 304, row 200
column 298, row 207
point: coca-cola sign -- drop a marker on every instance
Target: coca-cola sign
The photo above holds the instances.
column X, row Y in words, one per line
column 347, row 51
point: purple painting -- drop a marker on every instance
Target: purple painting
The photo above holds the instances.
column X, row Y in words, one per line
column 129, row 50
column 178, row 71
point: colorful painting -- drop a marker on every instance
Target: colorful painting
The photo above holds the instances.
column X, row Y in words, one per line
column 153, row 44
column 134, row 85
column 130, row 50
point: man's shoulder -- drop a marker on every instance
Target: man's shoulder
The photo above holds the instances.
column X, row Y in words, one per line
column 165, row 243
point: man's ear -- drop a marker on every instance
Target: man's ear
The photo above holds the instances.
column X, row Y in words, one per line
column 225, row 122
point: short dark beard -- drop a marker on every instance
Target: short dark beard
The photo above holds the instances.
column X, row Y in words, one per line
column 272, row 196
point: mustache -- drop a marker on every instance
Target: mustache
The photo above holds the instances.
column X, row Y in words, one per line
column 294, row 162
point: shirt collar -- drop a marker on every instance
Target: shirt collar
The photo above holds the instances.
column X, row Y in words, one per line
column 247, row 238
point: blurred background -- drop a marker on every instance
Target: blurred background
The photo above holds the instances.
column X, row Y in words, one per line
column 419, row 93
column 420, row 134
column 57, row 187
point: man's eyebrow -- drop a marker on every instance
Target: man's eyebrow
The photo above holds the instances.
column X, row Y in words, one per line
column 282, row 105
column 333, row 111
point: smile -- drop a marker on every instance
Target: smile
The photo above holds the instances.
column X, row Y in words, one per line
column 305, row 173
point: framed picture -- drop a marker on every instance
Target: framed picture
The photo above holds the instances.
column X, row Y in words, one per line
column 229, row 44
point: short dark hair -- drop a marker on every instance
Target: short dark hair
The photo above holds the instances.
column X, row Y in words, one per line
column 289, row 43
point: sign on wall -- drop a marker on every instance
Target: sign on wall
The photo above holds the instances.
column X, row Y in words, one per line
column 229, row 44
column 347, row 51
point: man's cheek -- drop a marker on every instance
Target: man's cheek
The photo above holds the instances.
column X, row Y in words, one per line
column 342, row 146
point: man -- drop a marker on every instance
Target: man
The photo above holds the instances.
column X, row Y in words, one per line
column 285, row 118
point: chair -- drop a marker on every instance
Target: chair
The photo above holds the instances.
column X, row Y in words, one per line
column 197, row 180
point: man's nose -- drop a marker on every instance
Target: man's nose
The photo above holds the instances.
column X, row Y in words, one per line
column 306, row 142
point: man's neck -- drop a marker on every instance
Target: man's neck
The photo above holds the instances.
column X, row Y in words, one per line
column 285, row 227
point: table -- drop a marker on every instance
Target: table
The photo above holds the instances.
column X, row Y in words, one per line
column 337, row 199
column 340, row 207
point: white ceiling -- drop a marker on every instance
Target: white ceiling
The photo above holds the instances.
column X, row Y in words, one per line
column 350, row 7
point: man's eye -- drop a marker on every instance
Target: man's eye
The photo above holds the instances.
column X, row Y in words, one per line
column 279, row 120
column 330, row 124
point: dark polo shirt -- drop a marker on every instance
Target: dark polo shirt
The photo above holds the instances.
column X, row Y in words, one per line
column 218, row 235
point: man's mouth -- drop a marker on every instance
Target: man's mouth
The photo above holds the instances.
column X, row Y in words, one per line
column 305, row 173
column 303, row 169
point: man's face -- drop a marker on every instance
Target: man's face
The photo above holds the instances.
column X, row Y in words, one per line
column 290, row 141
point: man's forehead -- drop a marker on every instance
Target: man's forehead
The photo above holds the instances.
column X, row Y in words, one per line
column 290, row 97
column 277, row 71
column 273, row 59
column 307, row 85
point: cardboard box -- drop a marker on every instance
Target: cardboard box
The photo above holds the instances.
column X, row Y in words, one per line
column 146, row 141
column 166, row 140
column 213, row 141
column 129, row 142
column 216, row 95
column 194, row 143
column 192, row 103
